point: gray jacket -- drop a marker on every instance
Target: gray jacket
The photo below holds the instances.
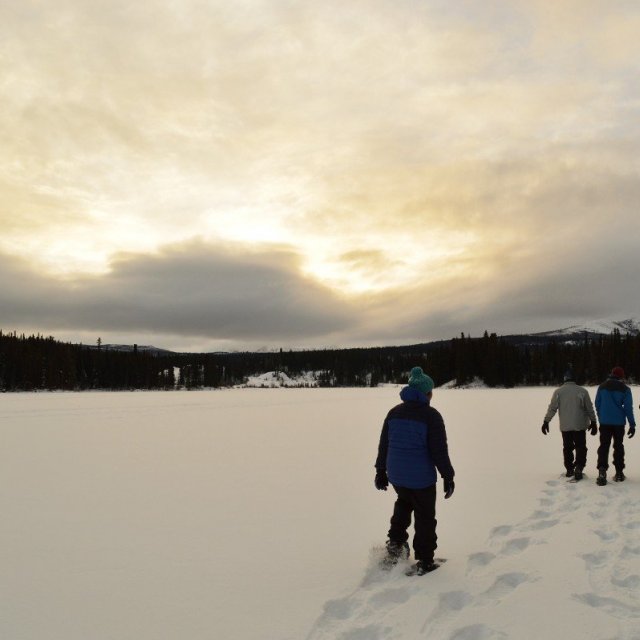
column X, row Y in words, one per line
column 574, row 407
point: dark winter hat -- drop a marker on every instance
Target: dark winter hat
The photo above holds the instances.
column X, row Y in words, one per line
column 617, row 372
column 569, row 375
column 420, row 381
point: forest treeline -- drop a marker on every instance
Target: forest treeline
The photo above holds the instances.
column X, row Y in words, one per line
column 36, row 362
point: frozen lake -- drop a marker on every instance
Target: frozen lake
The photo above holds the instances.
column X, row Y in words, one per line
column 250, row 514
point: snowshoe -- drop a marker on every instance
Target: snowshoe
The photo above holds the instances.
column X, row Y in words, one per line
column 577, row 474
column 620, row 477
column 421, row 567
column 395, row 551
column 569, row 473
column 602, row 478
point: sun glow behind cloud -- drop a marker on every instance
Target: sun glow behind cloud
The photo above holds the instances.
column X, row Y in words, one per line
column 379, row 263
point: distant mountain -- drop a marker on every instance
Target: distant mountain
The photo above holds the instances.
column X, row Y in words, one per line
column 598, row 327
column 128, row 348
column 572, row 333
column 576, row 332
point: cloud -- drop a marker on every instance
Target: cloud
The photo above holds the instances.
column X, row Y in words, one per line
column 577, row 276
column 431, row 161
column 197, row 295
column 189, row 290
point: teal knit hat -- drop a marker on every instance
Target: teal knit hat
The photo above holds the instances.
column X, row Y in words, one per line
column 420, row 381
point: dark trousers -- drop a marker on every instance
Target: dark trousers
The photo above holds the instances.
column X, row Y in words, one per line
column 610, row 432
column 574, row 441
column 422, row 503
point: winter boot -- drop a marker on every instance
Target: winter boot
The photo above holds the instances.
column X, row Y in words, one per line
column 577, row 474
column 569, row 473
column 619, row 477
column 395, row 551
column 602, row 478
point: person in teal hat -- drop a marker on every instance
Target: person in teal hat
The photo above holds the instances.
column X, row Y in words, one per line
column 412, row 449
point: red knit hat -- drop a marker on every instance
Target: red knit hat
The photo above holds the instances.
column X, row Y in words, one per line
column 617, row 372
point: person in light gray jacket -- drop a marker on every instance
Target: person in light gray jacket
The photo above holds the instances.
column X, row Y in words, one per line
column 575, row 410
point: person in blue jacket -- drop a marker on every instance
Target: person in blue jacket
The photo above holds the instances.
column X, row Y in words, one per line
column 413, row 445
column 614, row 406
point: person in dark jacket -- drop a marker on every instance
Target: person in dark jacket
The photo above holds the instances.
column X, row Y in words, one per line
column 413, row 445
column 614, row 406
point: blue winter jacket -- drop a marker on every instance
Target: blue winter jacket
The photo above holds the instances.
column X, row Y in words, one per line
column 614, row 403
column 413, row 443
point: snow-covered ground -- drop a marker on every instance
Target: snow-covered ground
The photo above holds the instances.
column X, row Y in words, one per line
column 273, row 379
column 250, row 514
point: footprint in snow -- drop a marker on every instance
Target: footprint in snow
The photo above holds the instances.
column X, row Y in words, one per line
column 629, row 505
column 612, row 606
column 593, row 560
column 544, row 524
column 515, row 545
column 453, row 601
column 501, row 530
column 606, row 536
column 448, row 603
column 505, row 584
column 630, row 582
column 477, row 632
column 338, row 609
column 629, row 552
column 370, row 632
column 540, row 514
column 480, row 559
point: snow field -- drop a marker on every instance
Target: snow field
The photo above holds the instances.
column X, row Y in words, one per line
column 251, row 514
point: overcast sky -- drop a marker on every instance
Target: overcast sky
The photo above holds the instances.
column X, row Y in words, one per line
column 200, row 174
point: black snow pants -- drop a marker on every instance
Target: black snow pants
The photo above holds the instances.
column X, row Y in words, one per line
column 610, row 432
column 574, row 441
column 422, row 503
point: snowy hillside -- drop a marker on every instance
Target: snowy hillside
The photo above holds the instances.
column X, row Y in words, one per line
column 603, row 326
column 250, row 514
column 273, row 379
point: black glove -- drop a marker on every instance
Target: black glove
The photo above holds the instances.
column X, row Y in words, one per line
column 594, row 427
column 545, row 427
column 449, row 486
column 631, row 432
column 381, row 481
